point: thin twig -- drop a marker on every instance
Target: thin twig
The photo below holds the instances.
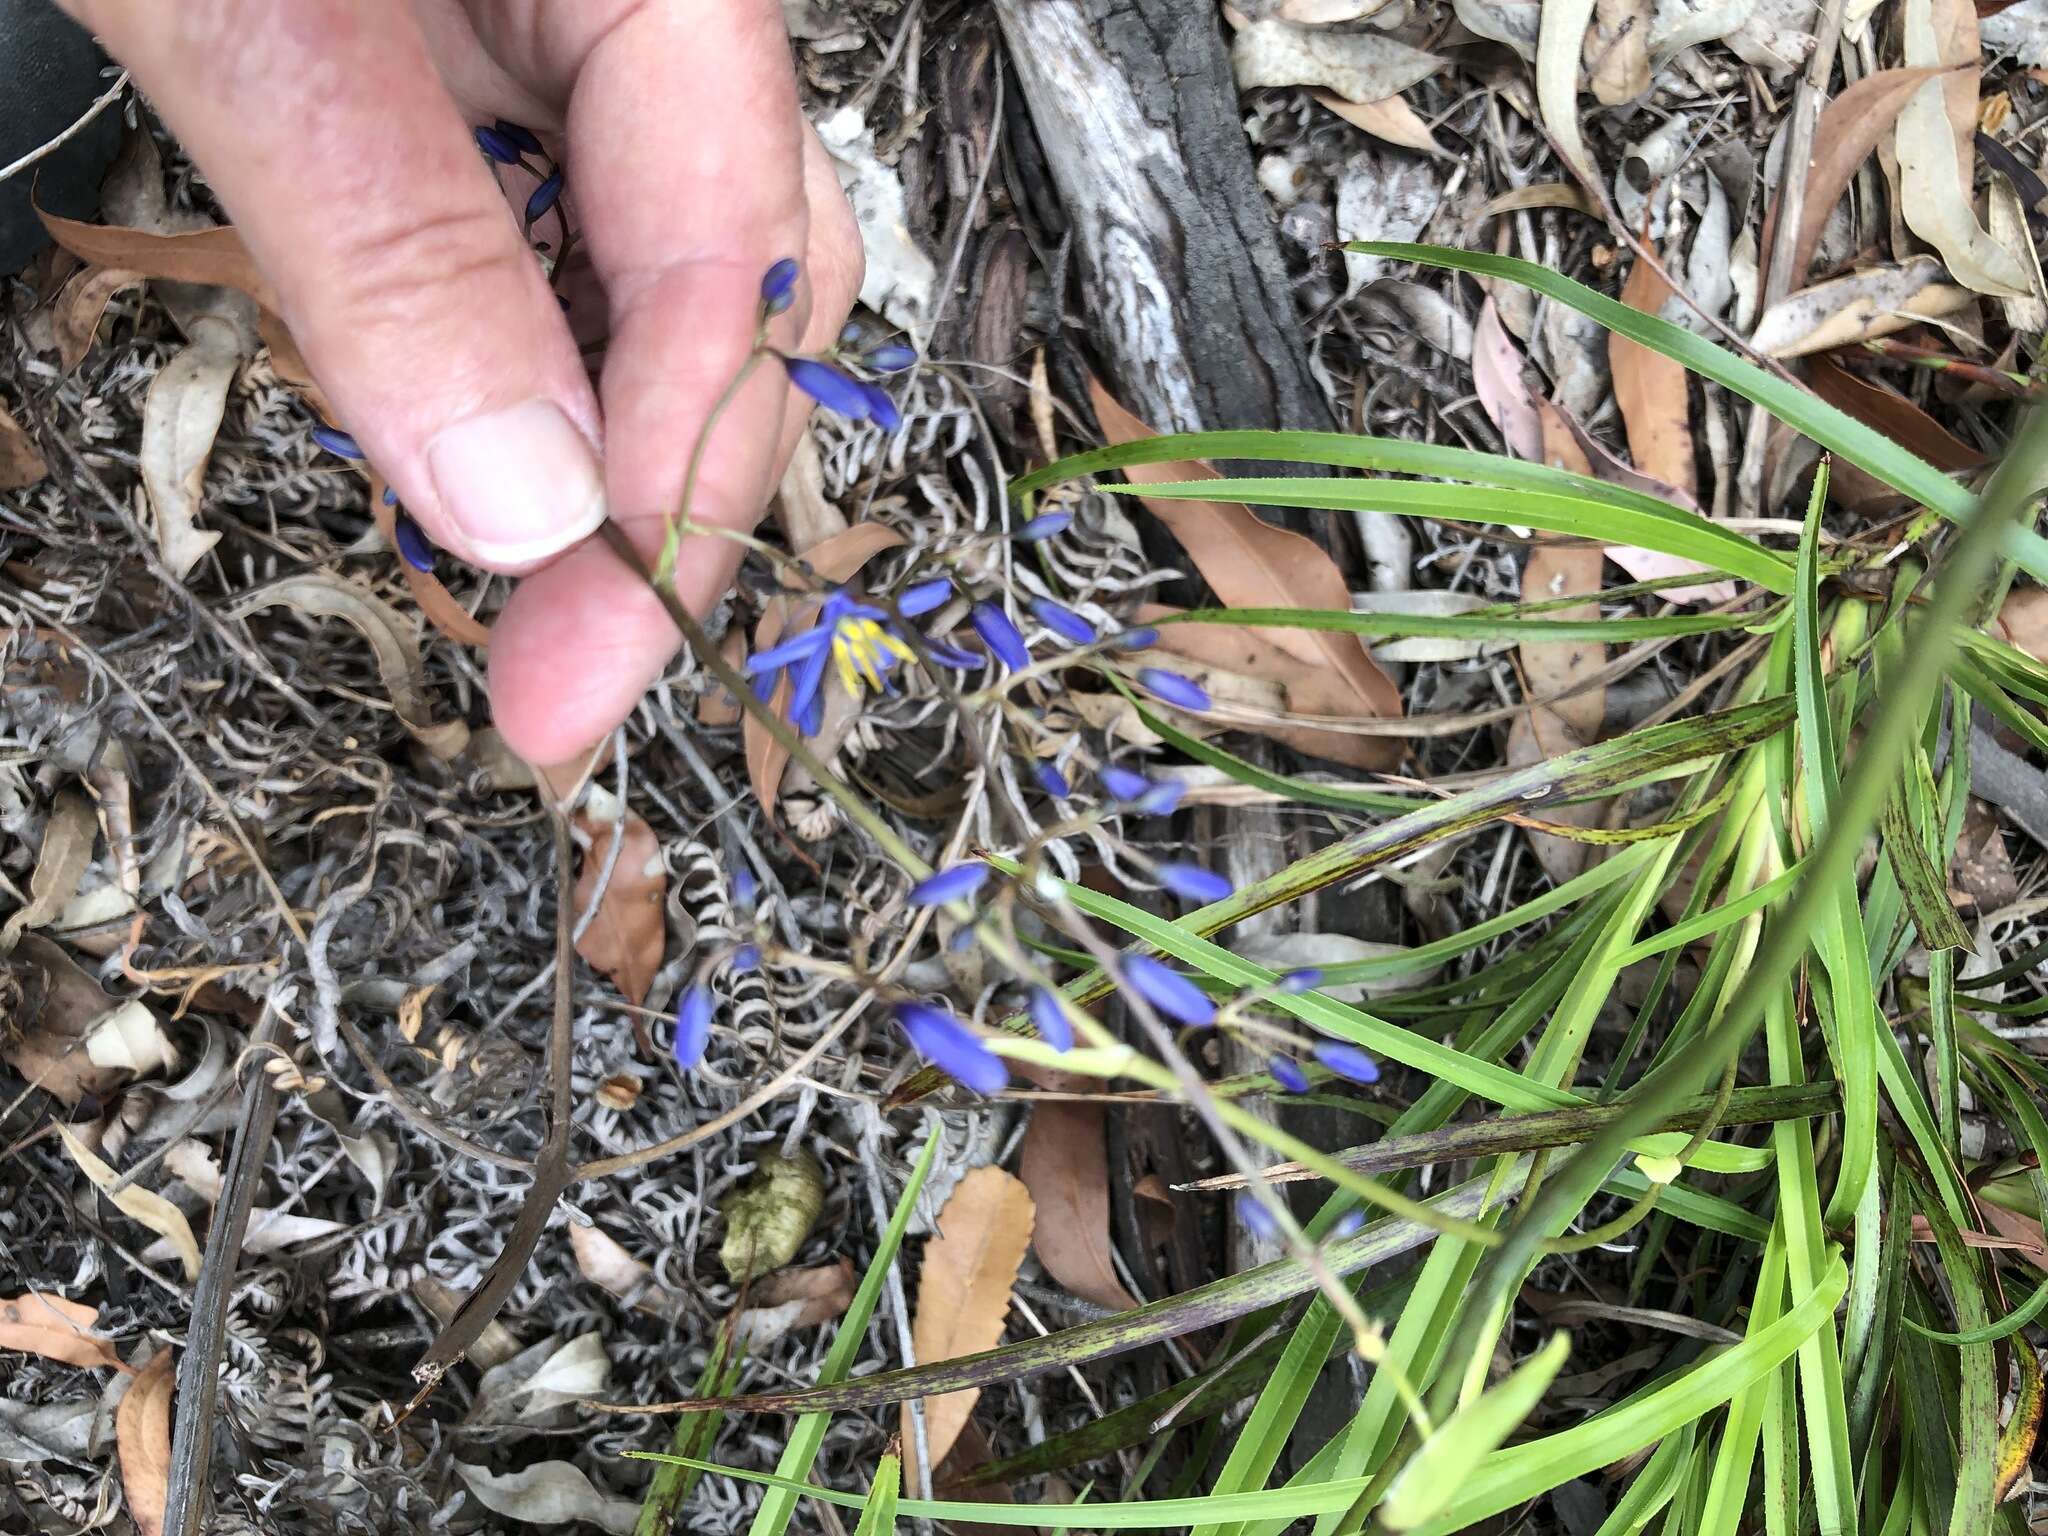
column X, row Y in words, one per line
column 51, row 146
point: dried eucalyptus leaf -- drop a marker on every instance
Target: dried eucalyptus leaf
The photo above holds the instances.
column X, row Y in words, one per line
column 60, row 865
column 56, row 1007
column 768, row 1218
column 1359, row 66
column 548, row 1493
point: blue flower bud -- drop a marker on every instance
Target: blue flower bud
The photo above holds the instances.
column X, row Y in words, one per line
column 881, row 409
column 778, row 286
column 746, row 959
column 746, row 890
column 952, row 656
column 1000, row 636
column 1180, row 692
column 693, row 1026
column 412, row 542
column 952, row 1047
column 891, row 357
column 1123, row 784
column 1191, row 882
column 832, row 389
column 1307, row 979
column 954, row 883
column 915, row 602
column 1167, row 990
column 1288, row 1074
column 1350, row 1224
column 1163, row 798
column 1054, row 1028
column 1347, row 1061
column 335, row 441
column 1063, row 621
column 1044, row 526
column 522, row 138
column 1053, row 782
column 544, row 196
column 1138, row 639
column 390, row 497
column 497, row 146
column 1257, row 1220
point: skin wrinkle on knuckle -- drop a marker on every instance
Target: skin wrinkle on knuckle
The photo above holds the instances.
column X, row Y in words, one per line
column 424, row 275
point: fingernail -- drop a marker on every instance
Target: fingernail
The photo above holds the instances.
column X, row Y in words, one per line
column 519, row 484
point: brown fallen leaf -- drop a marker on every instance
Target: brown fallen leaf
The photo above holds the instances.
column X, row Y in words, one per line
column 1499, row 380
column 181, row 415
column 68, row 838
column 1304, row 689
column 1065, row 1165
column 21, row 463
column 1871, row 302
column 75, row 309
column 142, row 1432
column 837, row 559
column 40, row 1323
column 1252, row 564
column 1849, row 129
column 1982, row 866
column 627, row 937
column 1617, row 50
column 60, row 1033
column 214, row 256
column 137, row 1203
column 1390, row 119
column 604, row 1262
column 1892, row 414
column 963, row 1294
column 1653, row 392
column 790, row 1299
column 2023, row 621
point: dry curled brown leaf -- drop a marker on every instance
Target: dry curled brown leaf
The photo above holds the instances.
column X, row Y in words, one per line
column 21, row 463
column 790, row 1299
column 627, row 937
column 963, row 1293
column 74, row 311
column 39, row 1323
column 213, row 256
column 137, row 1203
column 1065, row 1166
column 142, row 1431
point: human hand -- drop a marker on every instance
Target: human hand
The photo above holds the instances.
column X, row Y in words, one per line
column 338, row 133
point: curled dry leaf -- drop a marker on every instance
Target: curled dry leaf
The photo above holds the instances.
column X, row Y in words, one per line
column 768, row 1217
column 1617, row 50
column 837, row 559
column 142, row 1431
column 963, row 1293
column 1065, row 1166
column 137, row 1203
column 1390, row 119
column 626, row 938
column 66, row 1036
column 75, row 309
column 552, row 1493
column 212, row 256
column 791, row 1299
column 323, row 595
column 604, row 1262
column 1843, row 310
column 1224, row 655
column 1653, row 391
column 40, row 1323
column 1252, row 564
column 1358, row 66
column 21, row 464
column 60, row 864
column 181, row 415
column 269, row 1231
column 1560, row 43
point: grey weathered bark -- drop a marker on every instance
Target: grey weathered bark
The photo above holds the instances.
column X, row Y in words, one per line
column 1135, row 106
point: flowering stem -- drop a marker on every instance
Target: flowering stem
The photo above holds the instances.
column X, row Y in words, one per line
column 665, row 568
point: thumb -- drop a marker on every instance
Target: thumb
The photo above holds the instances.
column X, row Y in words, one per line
column 328, row 134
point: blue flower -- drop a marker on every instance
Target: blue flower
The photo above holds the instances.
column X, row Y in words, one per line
column 544, row 196
column 497, row 146
column 1163, row 798
column 1292, row 983
column 891, row 357
column 915, row 602
column 952, row 1047
column 1191, row 882
column 778, row 286
column 335, row 441
column 1051, row 1019
column 390, row 496
column 1053, row 782
column 412, row 542
column 521, row 137
column 1167, row 990
column 834, row 390
column 693, row 1026
column 1000, row 636
column 851, row 633
column 881, row 409
column 1257, row 1220
column 1180, row 692
column 1350, row 1224
column 746, row 890
column 1288, row 1074
column 955, row 883
column 746, row 959
column 1044, row 526
column 1063, row 621
column 1122, row 783
column 1138, row 639
column 952, row 656
column 1347, row 1061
